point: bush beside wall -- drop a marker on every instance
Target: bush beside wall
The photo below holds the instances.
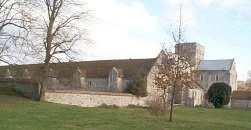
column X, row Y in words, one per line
column 137, row 86
column 26, row 87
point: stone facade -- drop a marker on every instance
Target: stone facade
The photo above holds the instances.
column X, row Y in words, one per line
column 241, row 99
column 95, row 99
column 101, row 76
column 210, row 71
column 116, row 75
column 194, row 52
column 240, row 103
column 192, row 97
column 207, row 71
column 207, row 78
column 233, row 77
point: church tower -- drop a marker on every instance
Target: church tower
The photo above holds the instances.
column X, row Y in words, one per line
column 193, row 50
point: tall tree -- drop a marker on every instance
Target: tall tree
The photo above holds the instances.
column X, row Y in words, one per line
column 61, row 26
column 248, row 82
column 14, row 25
column 174, row 69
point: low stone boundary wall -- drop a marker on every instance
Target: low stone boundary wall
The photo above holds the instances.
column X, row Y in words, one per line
column 94, row 99
column 240, row 103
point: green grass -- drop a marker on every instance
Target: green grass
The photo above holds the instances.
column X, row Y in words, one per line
column 21, row 113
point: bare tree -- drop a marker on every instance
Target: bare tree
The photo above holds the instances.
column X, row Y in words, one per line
column 14, row 25
column 249, row 75
column 174, row 73
column 59, row 31
column 174, row 69
column 248, row 82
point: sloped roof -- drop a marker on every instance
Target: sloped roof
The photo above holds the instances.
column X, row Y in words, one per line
column 92, row 69
column 18, row 70
column 225, row 64
column 241, row 95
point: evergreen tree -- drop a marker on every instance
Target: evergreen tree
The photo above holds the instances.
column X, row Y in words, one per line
column 219, row 94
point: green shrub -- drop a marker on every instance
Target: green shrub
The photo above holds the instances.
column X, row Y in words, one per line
column 137, row 86
column 10, row 91
column 219, row 94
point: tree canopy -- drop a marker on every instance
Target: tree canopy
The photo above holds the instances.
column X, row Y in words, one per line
column 219, row 94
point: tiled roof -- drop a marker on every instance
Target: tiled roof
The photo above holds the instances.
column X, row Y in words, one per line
column 225, row 64
column 241, row 95
column 18, row 70
column 92, row 69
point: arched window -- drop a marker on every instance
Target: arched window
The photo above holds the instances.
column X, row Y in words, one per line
column 89, row 83
column 201, row 77
column 216, row 77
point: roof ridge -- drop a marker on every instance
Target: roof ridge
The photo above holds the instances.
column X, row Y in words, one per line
column 223, row 64
column 217, row 59
column 93, row 69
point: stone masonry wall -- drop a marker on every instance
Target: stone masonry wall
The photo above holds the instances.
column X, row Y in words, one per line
column 240, row 103
column 209, row 77
column 96, row 84
column 192, row 97
column 94, row 99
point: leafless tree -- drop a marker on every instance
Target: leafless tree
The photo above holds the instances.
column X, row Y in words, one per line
column 14, row 25
column 174, row 73
column 174, row 69
column 59, row 32
column 249, row 74
column 248, row 82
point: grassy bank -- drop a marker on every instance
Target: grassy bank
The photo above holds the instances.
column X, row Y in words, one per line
column 20, row 113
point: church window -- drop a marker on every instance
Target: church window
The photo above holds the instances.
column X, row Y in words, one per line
column 216, row 77
column 194, row 95
column 89, row 83
column 201, row 77
column 95, row 84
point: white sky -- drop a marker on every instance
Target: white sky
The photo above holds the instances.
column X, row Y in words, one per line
column 125, row 29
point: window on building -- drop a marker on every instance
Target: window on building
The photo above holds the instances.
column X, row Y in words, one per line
column 201, row 77
column 89, row 83
column 216, row 77
column 193, row 95
column 95, row 84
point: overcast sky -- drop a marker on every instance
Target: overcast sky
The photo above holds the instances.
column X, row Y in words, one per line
column 125, row 29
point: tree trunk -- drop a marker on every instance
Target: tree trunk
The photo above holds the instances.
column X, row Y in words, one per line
column 42, row 91
column 172, row 100
column 44, row 80
column 48, row 55
column 165, row 101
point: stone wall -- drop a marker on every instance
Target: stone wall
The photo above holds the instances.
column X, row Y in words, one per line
column 194, row 51
column 94, row 99
column 151, row 87
column 233, row 77
column 192, row 97
column 88, row 84
column 96, row 84
column 240, row 103
column 209, row 77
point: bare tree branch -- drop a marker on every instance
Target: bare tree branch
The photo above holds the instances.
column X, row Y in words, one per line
column 174, row 69
column 14, row 26
column 58, row 32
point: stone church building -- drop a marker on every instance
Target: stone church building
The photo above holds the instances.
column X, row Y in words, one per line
column 208, row 72
column 115, row 75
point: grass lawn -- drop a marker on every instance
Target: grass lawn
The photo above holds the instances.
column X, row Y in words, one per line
column 21, row 113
